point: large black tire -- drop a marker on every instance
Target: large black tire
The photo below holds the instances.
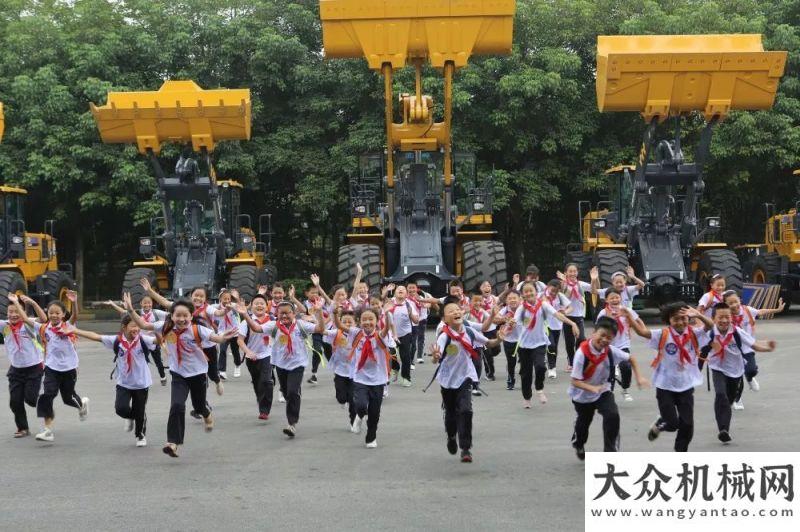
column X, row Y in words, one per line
column 10, row 283
column 483, row 260
column 609, row 262
column 723, row 262
column 131, row 284
column 56, row 284
column 267, row 275
column 369, row 256
column 583, row 261
column 244, row 279
column 765, row 268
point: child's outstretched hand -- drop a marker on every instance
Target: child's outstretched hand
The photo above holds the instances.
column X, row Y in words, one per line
column 72, row 295
column 240, row 307
column 594, row 273
column 13, row 298
column 291, row 292
column 359, row 269
column 560, row 275
column 641, row 383
column 126, row 300
column 230, row 334
column 629, row 271
column 145, row 284
column 515, row 279
column 315, row 279
column 436, row 353
column 262, row 289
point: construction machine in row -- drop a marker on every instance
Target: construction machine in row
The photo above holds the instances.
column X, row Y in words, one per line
column 418, row 212
column 28, row 261
column 201, row 237
column 650, row 218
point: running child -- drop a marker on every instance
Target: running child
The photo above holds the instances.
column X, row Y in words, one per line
column 131, row 356
column 553, row 295
column 404, row 317
column 257, row 351
column 590, row 388
column 622, row 339
column 341, row 363
column 478, row 314
column 150, row 315
column 316, row 296
column 505, row 318
column 418, row 330
column 226, row 318
column 713, row 296
column 619, row 281
column 575, row 290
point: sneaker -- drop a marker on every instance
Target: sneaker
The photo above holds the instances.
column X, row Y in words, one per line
column 626, row 395
column 373, row 444
column 542, row 397
column 220, row 388
column 580, row 453
column 46, row 435
column 290, row 431
column 83, row 412
column 394, row 375
column 617, row 373
column 128, row 425
column 385, row 392
column 22, row 433
column 223, row 375
column 466, row 456
column 654, row 431
column 526, row 403
column 263, row 416
column 490, row 377
column 405, row 383
column 724, row 436
column 420, row 361
column 452, row 446
column 281, row 398
column 509, row 386
column 476, row 392
column 355, row 428
column 568, row 369
column 738, row 405
column 237, row 372
column 164, row 380
column 194, row 414
column 170, row 449
column 552, row 373
column 209, row 422
column 312, row 379
column 141, row 442
column 754, row 386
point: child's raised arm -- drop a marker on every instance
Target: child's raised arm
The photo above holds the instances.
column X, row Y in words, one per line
column 255, row 327
column 770, row 311
column 636, row 324
column 40, row 313
column 158, row 298
column 89, row 335
column 357, row 281
column 116, row 307
column 14, row 300
column 72, row 295
column 145, row 326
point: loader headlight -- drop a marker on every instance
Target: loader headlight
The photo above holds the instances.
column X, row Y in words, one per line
column 360, row 209
column 247, row 240
column 144, row 242
column 17, row 240
column 478, row 206
column 713, row 223
column 599, row 224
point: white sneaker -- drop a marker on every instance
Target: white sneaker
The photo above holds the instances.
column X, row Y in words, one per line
column 237, row 372
column 141, row 442
column 45, row 435
column 356, row 427
column 552, row 373
column 754, row 386
column 281, row 398
column 626, row 395
column 83, row 413
column 128, row 425
column 617, row 373
column 420, row 361
column 223, row 375
column 220, row 388
column 164, row 380
column 385, row 392
column 413, row 367
column 542, row 397
column 405, row 383
column 373, row 444
column 738, row 405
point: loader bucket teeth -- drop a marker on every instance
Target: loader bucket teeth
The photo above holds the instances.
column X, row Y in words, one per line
column 388, row 31
column 180, row 111
column 668, row 75
column 2, row 121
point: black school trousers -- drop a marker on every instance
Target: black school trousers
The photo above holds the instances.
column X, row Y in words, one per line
column 263, row 385
column 552, row 349
column 56, row 382
column 158, row 361
column 130, row 404
column 183, row 388
column 489, row 353
column 509, row 348
column 457, row 407
column 418, row 339
column 570, row 341
column 606, row 407
column 725, row 391
column 406, row 356
column 676, row 413
column 223, row 354
column 290, row 382
column 531, row 361
column 213, row 363
column 344, row 394
column 319, row 347
column 23, row 388
column 368, row 400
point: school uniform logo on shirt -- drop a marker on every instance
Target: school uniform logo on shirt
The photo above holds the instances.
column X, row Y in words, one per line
column 451, row 350
column 671, row 349
column 284, row 340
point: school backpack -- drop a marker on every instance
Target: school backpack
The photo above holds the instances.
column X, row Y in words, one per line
column 707, row 348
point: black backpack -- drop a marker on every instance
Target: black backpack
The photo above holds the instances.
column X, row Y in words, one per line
column 705, row 350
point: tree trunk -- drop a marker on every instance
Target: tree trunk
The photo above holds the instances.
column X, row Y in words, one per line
column 79, row 263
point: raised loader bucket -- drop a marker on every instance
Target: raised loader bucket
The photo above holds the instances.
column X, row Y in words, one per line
column 179, row 111
column 667, row 75
column 2, row 121
column 392, row 31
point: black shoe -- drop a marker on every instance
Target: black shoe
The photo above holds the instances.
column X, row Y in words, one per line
column 452, row 446
column 466, row 456
column 195, row 415
column 313, row 379
column 580, row 453
column 724, row 436
column 509, row 386
column 654, row 431
column 490, row 377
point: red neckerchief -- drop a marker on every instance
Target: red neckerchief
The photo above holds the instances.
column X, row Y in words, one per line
column 347, row 305
column 381, row 321
column 179, row 347
column 228, row 321
column 618, row 318
column 507, row 310
column 715, row 298
column 15, row 331
column 723, row 343
column 738, row 320
column 681, row 342
column 128, row 347
column 395, row 306
column 273, row 308
column 532, row 310
column 594, row 360
column 288, row 334
column 262, row 322
column 464, row 301
column 200, row 313
column 465, row 343
column 477, row 314
column 146, row 315
column 367, row 352
column 59, row 331
column 573, row 288
column 488, row 302
column 416, row 303
column 551, row 300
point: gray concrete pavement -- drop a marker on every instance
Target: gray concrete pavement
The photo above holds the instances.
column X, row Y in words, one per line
column 245, row 475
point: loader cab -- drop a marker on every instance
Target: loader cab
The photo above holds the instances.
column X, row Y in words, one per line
column 12, row 225
column 620, row 192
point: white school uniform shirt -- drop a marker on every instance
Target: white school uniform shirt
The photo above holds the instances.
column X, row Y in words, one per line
column 512, row 336
column 341, row 345
column 229, row 320
column 23, row 348
column 480, row 317
column 205, row 315
column 192, row 358
column 623, row 338
column 746, row 319
column 382, row 319
column 60, row 352
column 281, row 356
column 136, row 375
column 456, row 364
column 627, row 295
column 375, row 371
column 401, row 314
column 577, row 298
column 671, row 374
column 153, row 315
column 258, row 343
column 600, row 375
column 708, row 300
column 326, row 309
column 420, row 308
column 537, row 336
column 730, row 361
column 560, row 303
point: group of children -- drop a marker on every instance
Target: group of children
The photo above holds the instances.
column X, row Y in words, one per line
column 369, row 340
